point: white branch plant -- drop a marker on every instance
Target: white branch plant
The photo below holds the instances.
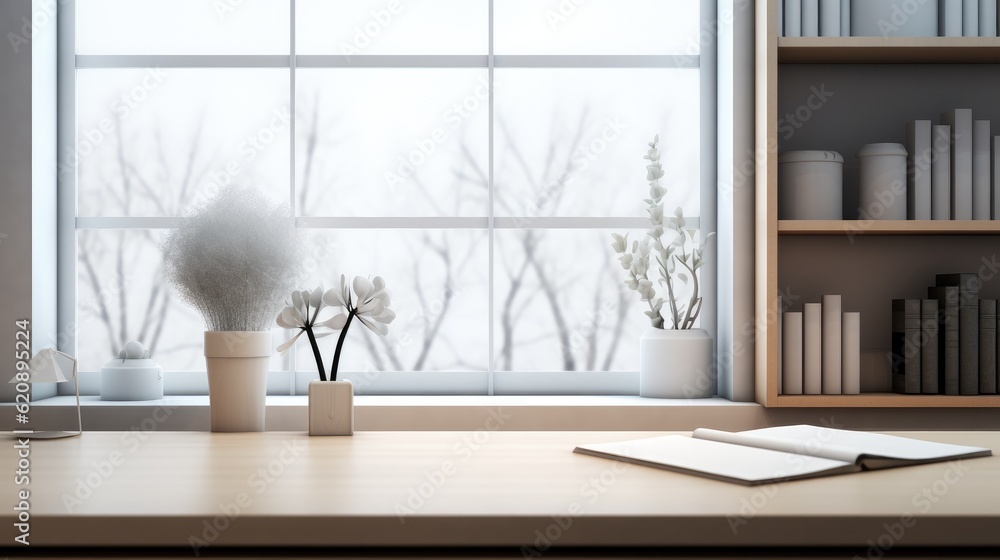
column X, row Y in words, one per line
column 369, row 303
column 673, row 249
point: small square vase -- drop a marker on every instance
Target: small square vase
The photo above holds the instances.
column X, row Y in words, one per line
column 331, row 408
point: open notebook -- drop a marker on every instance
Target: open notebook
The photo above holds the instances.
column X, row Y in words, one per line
column 778, row 454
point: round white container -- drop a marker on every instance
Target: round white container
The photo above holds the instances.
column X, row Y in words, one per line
column 810, row 185
column 131, row 380
column 894, row 18
column 882, row 182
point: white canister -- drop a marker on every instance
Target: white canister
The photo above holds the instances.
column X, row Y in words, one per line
column 882, row 182
column 131, row 380
column 810, row 185
column 894, row 18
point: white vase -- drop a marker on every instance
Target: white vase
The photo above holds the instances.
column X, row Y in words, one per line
column 237, row 379
column 331, row 408
column 675, row 364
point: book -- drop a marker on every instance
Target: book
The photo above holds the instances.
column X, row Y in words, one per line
column 810, row 18
column 918, row 170
column 851, row 339
column 793, row 18
column 781, row 18
column 791, row 353
column 950, row 18
column 845, row 18
column 812, row 349
column 941, row 173
column 970, row 18
column 960, row 121
column 831, row 350
column 948, row 364
column 982, row 191
column 778, row 454
column 996, row 177
column 929, row 347
column 987, row 18
column 829, row 18
column 905, row 364
column 987, row 346
column 968, row 329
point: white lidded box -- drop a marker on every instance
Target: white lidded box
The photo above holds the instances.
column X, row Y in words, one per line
column 810, row 185
column 882, row 181
column 131, row 380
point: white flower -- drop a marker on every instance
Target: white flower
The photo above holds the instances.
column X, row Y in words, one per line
column 370, row 304
column 301, row 313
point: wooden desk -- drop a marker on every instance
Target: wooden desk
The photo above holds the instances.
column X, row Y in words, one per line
column 504, row 489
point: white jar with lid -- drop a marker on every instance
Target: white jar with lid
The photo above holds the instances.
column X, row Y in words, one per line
column 810, row 185
column 882, row 182
column 131, row 380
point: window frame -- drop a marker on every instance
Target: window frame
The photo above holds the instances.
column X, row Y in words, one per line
column 490, row 382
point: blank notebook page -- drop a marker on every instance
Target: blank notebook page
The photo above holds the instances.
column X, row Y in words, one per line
column 720, row 459
column 868, row 443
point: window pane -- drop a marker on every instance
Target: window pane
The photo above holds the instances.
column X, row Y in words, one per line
column 570, row 142
column 560, row 303
column 439, row 285
column 352, row 27
column 596, row 27
column 392, row 142
column 182, row 27
column 154, row 142
column 122, row 296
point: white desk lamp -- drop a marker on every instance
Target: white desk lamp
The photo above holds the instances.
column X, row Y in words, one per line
column 45, row 368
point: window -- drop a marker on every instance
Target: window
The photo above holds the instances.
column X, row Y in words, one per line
column 474, row 153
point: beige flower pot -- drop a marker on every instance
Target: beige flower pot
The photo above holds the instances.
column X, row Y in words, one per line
column 675, row 364
column 237, row 379
column 331, row 408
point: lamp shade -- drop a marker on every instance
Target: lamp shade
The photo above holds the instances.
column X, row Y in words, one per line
column 45, row 367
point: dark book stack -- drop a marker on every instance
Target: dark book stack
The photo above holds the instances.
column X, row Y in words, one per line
column 948, row 343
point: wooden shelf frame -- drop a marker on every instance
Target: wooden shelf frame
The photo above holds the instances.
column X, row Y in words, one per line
column 882, row 50
column 770, row 52
column 886, row 400
column 888, row 227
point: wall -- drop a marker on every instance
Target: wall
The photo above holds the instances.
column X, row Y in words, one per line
column 27, row 180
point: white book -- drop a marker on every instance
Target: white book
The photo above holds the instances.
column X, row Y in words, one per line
column 960, row 121
column 845, row 18
column 810, row 18
column 851, row 339
column 996, row 177
column 970, row 18
column 950, row 18
column 793, row 18
column 832, row 348
column 791, row 353
column 778, row 454
column 987, row 18
column 982, row 190
column 812, row 349
column 918, row 170
column 781, row 18
column 941, row 172
column 829, row 18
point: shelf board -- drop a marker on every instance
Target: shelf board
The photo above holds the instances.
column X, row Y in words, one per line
column 886, row 400
column 872, row 50
column 888, row 227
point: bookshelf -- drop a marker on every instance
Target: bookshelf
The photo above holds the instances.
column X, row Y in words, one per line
column 919, row 77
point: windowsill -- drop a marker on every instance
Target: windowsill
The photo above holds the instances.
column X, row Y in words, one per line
column 478, row 412
column 519, row 412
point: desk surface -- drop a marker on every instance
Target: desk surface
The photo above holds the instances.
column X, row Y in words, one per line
column 469, row 489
